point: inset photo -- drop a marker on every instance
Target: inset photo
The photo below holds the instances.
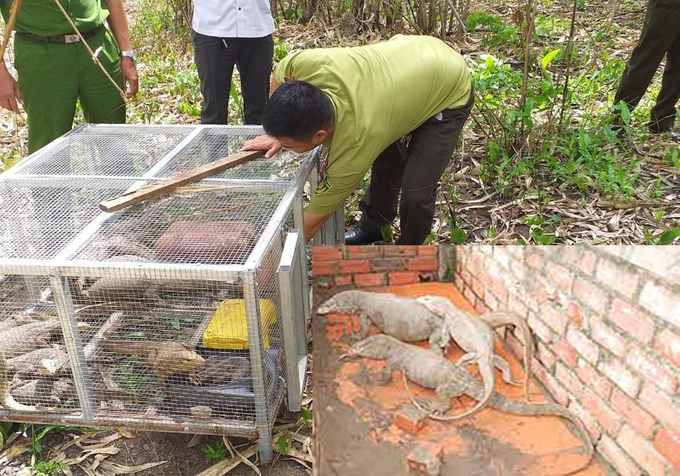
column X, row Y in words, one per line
column 496, row 360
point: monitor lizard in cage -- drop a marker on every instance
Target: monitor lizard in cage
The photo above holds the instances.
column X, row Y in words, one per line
column 6, row 399
column 165, row 358
column 22, row 339
column 449, row 380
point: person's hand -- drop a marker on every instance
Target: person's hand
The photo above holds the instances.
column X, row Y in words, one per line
column 268, row 143
column 130, row 77
column 10, row 95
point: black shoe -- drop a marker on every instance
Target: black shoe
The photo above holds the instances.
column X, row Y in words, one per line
column 675, row 135
column 357, row 236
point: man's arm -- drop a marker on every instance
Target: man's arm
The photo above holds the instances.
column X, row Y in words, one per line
column 119, row 27
column 265, row 142
column 10, row 95
column 312, row 224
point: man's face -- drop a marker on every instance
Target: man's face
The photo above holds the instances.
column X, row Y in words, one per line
column 304, row 146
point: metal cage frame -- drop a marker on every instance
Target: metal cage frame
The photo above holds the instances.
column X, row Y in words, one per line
column 293, row 285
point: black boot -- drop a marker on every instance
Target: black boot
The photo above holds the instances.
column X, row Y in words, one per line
column 655, row 129
column 358, row 236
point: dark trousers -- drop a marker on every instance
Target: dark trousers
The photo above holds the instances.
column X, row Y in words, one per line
column 215, row 59
column 414, row 169
column 660, row 36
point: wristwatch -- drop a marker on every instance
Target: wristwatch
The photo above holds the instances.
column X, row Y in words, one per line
column 129, row 54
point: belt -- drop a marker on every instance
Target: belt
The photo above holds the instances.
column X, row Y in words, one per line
column 62, row 38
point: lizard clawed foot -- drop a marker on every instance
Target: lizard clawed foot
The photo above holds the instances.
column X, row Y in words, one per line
column 424, row 403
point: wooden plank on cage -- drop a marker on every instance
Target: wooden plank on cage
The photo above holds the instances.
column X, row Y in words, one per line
column 168, row 185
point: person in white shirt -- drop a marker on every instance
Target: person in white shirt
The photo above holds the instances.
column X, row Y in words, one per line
column 228, row 33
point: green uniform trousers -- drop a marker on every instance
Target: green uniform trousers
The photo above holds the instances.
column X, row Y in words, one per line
column 53, row 76
column 660, row 37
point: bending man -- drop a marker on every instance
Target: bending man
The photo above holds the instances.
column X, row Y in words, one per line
column 396, row 107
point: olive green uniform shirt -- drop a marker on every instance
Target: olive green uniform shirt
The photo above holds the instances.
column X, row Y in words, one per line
column 380, row 93
column 43, row 17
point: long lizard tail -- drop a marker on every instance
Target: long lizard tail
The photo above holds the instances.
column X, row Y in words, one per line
column 546, row 409
column 504, row 318
column 6, row 399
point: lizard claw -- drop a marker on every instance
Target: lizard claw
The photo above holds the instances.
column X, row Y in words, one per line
column 422, row 402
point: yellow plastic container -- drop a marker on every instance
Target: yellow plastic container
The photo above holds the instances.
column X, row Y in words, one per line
column 228, row 327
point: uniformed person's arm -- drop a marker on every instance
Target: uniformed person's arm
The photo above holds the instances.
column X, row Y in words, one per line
column 119, row 27
column 313, row 222
column 10, row 95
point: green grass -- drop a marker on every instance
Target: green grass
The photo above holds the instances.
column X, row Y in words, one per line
column 582, row 154
column 216, row 451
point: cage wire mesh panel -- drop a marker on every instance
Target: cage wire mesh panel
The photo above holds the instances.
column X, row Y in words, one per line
column 215, row 143
column 165, row 315
column 209, row 223
column 39, row 217
column 35, row 369
column 107, row 150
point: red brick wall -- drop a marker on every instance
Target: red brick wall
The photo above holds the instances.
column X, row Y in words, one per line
column 366, row 266
column 608, row 342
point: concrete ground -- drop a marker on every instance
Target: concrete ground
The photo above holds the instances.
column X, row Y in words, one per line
column 358, row 432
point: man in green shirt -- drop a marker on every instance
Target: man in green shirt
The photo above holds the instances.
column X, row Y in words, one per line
column 395, row 107
column 55, row 70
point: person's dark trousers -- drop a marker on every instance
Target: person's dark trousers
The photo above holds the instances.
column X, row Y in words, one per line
column 215, row 60
column 660, row 36
column 415, row 170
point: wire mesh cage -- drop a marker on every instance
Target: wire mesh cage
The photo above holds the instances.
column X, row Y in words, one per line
column 187, row 312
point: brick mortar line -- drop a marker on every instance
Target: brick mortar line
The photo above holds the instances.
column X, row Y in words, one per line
column 463, row 266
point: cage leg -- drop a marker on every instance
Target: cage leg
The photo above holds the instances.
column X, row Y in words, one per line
column 340, row 226
column 256, row 348
column 266, row 447
column 74, row 345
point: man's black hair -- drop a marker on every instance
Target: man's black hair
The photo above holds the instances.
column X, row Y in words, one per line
column 297, row 110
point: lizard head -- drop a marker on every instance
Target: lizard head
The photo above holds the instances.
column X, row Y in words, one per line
column 183, row 357
column 340, row 303
column 436, row 304
column 375, row 346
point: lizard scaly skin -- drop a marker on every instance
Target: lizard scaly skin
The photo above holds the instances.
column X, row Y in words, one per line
column 474, row 336
column 6, row 399
column 449, row 380
column 398, row 316
column 508, row 318
column 165, row 358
